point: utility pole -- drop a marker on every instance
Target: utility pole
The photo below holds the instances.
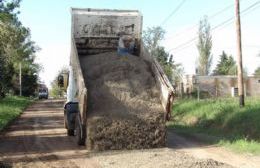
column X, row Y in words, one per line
column 20, row 78
column 240, row 80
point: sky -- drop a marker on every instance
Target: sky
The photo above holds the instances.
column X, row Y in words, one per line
column 50, row 25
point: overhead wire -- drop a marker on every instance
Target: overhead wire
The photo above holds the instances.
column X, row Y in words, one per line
column 173, row 12
column 225, row 23
column 210, row 17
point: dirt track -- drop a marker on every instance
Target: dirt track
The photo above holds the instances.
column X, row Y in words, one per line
column 38, row 139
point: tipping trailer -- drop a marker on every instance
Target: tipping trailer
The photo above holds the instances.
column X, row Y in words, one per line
column 96, row 31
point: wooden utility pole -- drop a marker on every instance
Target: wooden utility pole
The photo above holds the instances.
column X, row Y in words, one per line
column 240, row 80
column 20, row 78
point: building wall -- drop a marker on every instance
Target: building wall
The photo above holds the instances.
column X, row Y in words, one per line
column 220, row 86
column 253, row 86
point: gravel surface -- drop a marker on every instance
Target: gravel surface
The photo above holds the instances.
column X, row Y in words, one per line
column 159, row 158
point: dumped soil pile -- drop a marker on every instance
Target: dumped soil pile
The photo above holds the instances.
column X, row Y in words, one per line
column 163, row 157
column 124, row 109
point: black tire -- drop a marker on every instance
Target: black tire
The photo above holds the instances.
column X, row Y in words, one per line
column 70, row 132
column 80, row 132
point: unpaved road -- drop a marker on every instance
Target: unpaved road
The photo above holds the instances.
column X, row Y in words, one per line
column 38, row 139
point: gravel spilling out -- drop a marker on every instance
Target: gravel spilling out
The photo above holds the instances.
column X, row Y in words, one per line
column 163, row 158
column 124, row 109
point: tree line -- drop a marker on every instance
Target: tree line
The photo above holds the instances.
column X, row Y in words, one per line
column 16, row 47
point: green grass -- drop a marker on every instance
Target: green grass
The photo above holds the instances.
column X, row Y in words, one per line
column 242, row 146
column 10, row 108
column 232, row 126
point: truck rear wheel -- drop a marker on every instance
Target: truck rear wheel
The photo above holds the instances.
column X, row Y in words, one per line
column 80, row 132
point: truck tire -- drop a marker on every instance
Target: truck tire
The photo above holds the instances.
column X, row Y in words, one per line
column 70, row 132
column 80, row 132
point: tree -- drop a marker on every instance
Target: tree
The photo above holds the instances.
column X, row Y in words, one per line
column 16, row 47
column 152, row 37
column 204, row 47
column 257, row 72
column 55, row 90
column 162, row 57
column 6, row 16
column 174, row 71
column 226, row 65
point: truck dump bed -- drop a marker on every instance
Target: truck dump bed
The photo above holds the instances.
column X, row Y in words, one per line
column 124, row 101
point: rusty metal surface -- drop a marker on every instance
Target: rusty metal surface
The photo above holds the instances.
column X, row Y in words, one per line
column 106, row 23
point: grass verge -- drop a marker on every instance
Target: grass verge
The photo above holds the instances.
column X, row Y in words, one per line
column 10, row 108
column 220, row 121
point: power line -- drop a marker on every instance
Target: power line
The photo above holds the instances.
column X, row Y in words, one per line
column 244, row 46
column 173, row 12
column 210, row 17
column 231, row 18
column 226, row 22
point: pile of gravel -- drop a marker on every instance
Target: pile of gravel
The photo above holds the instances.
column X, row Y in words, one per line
column 163, row 158
column 124, row 109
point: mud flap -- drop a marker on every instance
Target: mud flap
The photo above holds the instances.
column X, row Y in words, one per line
column 70, row 113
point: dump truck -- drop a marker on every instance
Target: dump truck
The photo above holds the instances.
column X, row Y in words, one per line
column 114, row 101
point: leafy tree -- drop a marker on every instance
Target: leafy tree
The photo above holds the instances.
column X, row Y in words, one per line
column 161, row 55
column 16, row 47
column 56, row 91
column 257, row 72
column 6, row 15
column 204, row 47
column 226, row 65
column 173, row 70
column 152, row 37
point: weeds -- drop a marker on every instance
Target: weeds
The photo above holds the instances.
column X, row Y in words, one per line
column 238, row 128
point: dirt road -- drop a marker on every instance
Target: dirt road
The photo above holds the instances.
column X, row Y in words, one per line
column 203, row 151
column 38, row 139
